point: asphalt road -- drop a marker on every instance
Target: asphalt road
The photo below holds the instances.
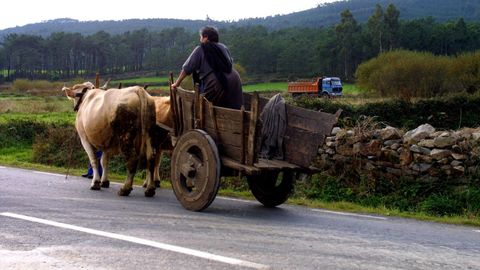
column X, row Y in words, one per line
column 49, row 222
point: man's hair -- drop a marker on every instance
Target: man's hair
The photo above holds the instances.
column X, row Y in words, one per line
column 210, row 32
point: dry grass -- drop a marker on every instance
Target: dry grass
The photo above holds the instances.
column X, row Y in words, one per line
column 35, row 105
column 37, row 87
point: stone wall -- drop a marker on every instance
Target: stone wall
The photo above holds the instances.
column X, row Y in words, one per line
column 390, row 152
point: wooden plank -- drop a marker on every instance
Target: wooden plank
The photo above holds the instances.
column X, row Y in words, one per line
column 242, row 139
column 229, row 115
column 221, row 137
column 273, row 164
column 301, row 146
column 230, row 151
column 252, row 130
column 247, row 101
column 212, row 119
column 224, row 125
column 179, row 110
column 201, row 116
column 310, row 120
column 196, row 109
column 173, row 98
column 187, row 109
column 230, row 163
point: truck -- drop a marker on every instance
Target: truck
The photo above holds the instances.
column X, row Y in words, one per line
column 326, row 87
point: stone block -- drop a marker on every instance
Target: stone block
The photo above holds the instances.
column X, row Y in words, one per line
column 439, row 154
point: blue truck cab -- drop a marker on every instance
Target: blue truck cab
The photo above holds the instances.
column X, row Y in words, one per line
column 331, row 86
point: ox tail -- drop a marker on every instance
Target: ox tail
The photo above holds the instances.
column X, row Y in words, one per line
column 144, row 119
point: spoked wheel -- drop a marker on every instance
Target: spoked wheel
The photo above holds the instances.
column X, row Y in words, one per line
column 195, row 170
column 270, row 188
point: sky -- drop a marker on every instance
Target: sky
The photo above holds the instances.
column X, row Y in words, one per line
column 21, row 12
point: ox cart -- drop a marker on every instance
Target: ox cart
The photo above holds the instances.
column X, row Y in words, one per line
column 211, row 142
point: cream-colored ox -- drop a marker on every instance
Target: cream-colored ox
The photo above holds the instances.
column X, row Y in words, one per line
column 118, row 121
column 164, row 118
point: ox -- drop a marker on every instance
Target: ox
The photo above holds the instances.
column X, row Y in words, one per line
column 118, row 121
column 164, row 119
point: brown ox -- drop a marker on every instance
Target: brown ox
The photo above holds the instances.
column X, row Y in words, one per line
column 164, row 118
column 118, row 121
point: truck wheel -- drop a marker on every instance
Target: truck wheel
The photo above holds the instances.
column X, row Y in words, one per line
column 325, row 95
column 270, row 188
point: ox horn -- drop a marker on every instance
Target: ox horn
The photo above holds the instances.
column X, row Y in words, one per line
column 104, row 87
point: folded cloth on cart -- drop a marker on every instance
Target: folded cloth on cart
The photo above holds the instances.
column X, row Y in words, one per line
column 274, row 123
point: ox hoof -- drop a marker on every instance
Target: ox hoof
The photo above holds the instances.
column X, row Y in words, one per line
column 149, row 192
column 157, row 183
column 124, row 192
column 105, row 184
column 95, row 185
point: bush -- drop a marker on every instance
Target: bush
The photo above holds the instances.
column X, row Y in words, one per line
column 465, row 71
column 325, row 187
column 41, row 87
column 405, row 74
column 441, row 205
column 473, row 200
column 449, row 112
column 19, row 132
column 59, row 146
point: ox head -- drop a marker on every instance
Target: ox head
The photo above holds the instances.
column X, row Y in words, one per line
column 77, row 92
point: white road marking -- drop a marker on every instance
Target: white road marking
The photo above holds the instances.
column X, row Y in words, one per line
column 168, row 247
column 348, row 214
column 476, row 230
column 54, row 174
column 1, row 167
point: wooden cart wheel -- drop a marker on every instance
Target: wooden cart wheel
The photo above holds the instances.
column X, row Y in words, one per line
column 195, row 170
column 270, row 189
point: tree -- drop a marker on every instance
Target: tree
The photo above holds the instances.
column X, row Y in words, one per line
column 376, row 28
column 392, row 25
column 346, row 33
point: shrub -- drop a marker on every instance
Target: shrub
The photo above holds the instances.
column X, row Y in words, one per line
column 465, row 71
column 448, row 112
column 441, row 205
column 37, row 87
column 59, row 146
column 325, row 187
column 473, row 200
column 405, row 74
column 19, row 132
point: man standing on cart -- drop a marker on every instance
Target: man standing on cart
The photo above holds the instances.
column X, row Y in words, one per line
column 212, row 67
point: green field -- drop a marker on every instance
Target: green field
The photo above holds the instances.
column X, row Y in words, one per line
column 348, row 89
column 143, row 80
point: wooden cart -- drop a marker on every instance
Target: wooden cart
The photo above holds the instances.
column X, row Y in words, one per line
column 210, row 142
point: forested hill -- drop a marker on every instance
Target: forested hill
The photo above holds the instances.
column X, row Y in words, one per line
column 113, row 27
column 322, row 15
column 328, row 14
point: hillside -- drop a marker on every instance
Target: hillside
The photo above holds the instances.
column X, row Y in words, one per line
column 328, row 14
column 322, row 15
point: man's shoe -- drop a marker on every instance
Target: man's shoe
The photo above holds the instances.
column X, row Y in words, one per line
column 90, row 176
column 85, row 175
